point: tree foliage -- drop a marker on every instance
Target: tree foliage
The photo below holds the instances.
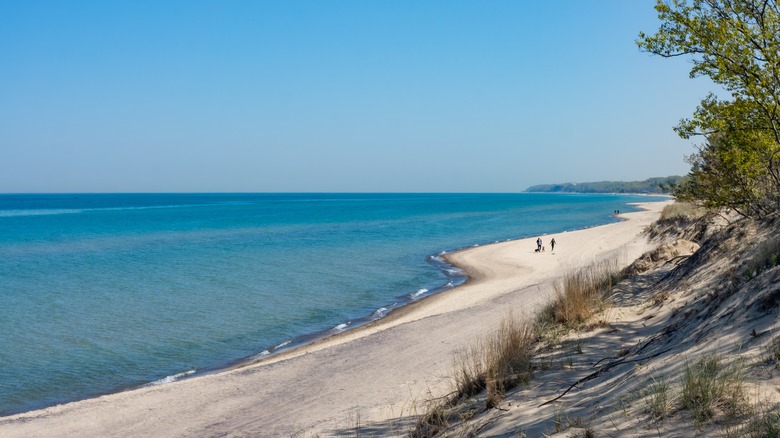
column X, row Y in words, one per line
column 736, row 43
column 730, row 171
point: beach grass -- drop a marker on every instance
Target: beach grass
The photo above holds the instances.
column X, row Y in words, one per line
column 765, row 257
column 507, row 357
column 676, row 219
column 658, row 398
column 682, row 210
column 500, row 361
column 581, row 294
column 496, row 363
column 707, row 385
column 504, row 359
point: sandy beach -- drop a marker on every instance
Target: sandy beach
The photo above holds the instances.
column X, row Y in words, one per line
column 378, row 376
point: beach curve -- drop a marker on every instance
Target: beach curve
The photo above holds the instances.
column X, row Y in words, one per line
column 382, row 371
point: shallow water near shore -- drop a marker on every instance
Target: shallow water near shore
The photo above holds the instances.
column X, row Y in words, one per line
column 107, row 292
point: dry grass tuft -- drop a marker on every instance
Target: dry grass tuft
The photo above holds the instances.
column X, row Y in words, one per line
column 680, row 220
column 582, row 294
column 497, row 363
column 682, row 210
column 507, row 358
column 493, row 365
column 469, row 372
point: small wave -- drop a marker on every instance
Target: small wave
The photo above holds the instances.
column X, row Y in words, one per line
column 419, row 292
column 380, row 312
column 449, row 284
column 173, row 378
column 282, row 345
column 259, row 356
column 454, row 271
column 341, row 327
column 57, row 211
column 18, row 213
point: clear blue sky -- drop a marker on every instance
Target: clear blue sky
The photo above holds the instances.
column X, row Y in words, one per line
column 407, row 96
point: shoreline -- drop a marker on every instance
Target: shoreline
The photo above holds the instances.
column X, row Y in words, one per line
column 446, row 257
column 307, row 387
column 439, row 263
column 302, row 341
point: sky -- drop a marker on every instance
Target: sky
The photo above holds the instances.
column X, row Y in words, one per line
column 335, row 96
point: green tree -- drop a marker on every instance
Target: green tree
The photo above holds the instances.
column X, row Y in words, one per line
column 736, row 43
column 730, row 172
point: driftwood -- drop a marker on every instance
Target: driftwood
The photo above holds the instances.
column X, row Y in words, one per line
column 602, row 370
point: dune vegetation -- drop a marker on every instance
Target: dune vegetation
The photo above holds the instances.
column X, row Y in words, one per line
column 685, row 341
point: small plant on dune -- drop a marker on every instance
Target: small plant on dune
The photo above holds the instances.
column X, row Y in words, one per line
column 774, row 348
column 763, row 422
column 699, row 391
column 766, row 257
column 707, row 385
column 658, row 399
column 766, row 424
column 560, row 422
column 434, row 421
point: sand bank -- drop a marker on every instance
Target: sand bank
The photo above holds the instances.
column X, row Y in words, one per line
column 378, row 376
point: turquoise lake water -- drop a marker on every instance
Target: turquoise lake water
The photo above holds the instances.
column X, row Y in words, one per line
column 101, row 293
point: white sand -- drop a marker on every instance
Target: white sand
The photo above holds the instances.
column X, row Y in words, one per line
column 377, row 376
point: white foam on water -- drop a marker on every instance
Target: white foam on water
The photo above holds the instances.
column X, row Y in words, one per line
column 341, row 327
column 260, row 356
column 282, row 345
column 418, row 293
column 173, row 378
column 16, row 213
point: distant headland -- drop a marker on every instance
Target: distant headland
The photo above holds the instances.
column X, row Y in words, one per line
column 659, row 185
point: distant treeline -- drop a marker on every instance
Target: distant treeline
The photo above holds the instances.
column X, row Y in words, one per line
column 649, row 186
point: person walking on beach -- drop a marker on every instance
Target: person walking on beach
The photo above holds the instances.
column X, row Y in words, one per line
column 552, row 245
column 539, row 244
